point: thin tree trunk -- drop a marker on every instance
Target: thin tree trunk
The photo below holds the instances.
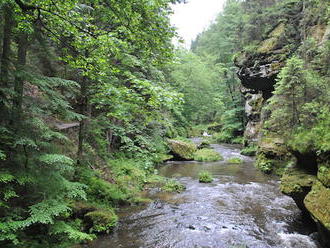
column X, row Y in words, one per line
column 5, row 61
column 19, row 78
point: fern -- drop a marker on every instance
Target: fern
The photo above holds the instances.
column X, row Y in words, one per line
column 71, row 231
column 45, row 212
column 58, row 161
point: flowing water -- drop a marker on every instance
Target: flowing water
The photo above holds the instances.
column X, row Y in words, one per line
column 241, row 208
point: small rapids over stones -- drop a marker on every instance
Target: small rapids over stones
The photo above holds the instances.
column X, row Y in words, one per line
column 241, row 208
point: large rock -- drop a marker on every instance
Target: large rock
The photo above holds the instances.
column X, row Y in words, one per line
column 317, row 203
column 182, row 150
column 297, row 184
column 312, row 196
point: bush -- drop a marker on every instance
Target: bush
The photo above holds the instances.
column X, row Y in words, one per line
column 207, row 155
column 173, row 186
column 205, row 177
column 235, row 161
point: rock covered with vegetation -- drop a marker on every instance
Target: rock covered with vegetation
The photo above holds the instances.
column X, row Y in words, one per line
column 205, row 177
column 235, row 161
column 207, row 155
column 173, row 186
column 182, row 150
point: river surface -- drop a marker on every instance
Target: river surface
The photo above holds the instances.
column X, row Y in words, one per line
column 241, row 208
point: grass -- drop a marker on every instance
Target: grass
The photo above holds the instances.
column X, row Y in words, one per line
column 207, row 155
column 235, row 161
column 205, row 177
column 173, row 186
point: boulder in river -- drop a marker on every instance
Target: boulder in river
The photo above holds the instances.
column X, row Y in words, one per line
column 182, row 150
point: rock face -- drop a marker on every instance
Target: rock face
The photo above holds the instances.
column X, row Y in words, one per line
column 308, row 183
column 253, row 105
column 182, row 150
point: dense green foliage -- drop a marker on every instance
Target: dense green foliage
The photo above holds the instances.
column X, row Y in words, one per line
column 84, row 109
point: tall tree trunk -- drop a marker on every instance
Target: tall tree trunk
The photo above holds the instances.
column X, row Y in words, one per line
column 85, row 110
column 19, row 78
column 5, row 61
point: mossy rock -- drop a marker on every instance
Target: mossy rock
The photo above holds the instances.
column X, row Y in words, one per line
column 101, row 221
column 235, row 161
column 323, row 174
column 272, row 146
column 297, row 184
column 182, row 150
column 207, row 155
column 273, row 40
column 205, row 177
column 80, row 208
column 296, row 181
column 317, row 203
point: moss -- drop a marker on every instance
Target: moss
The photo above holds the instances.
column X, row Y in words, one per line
column 272, row 146
column 318, row 204
column 323, row 174
column 235, row 161
column 268, row 45
column 205, row 177
column 182, row 150
column 173, row 186
column 296, row 181
column 272, row 41
column 207, row 155
column 101, row 221
column 80, row 208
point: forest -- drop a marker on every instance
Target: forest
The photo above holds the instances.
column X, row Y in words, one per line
column 95, row 97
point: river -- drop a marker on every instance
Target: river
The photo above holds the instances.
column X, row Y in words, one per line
column 241, row 208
